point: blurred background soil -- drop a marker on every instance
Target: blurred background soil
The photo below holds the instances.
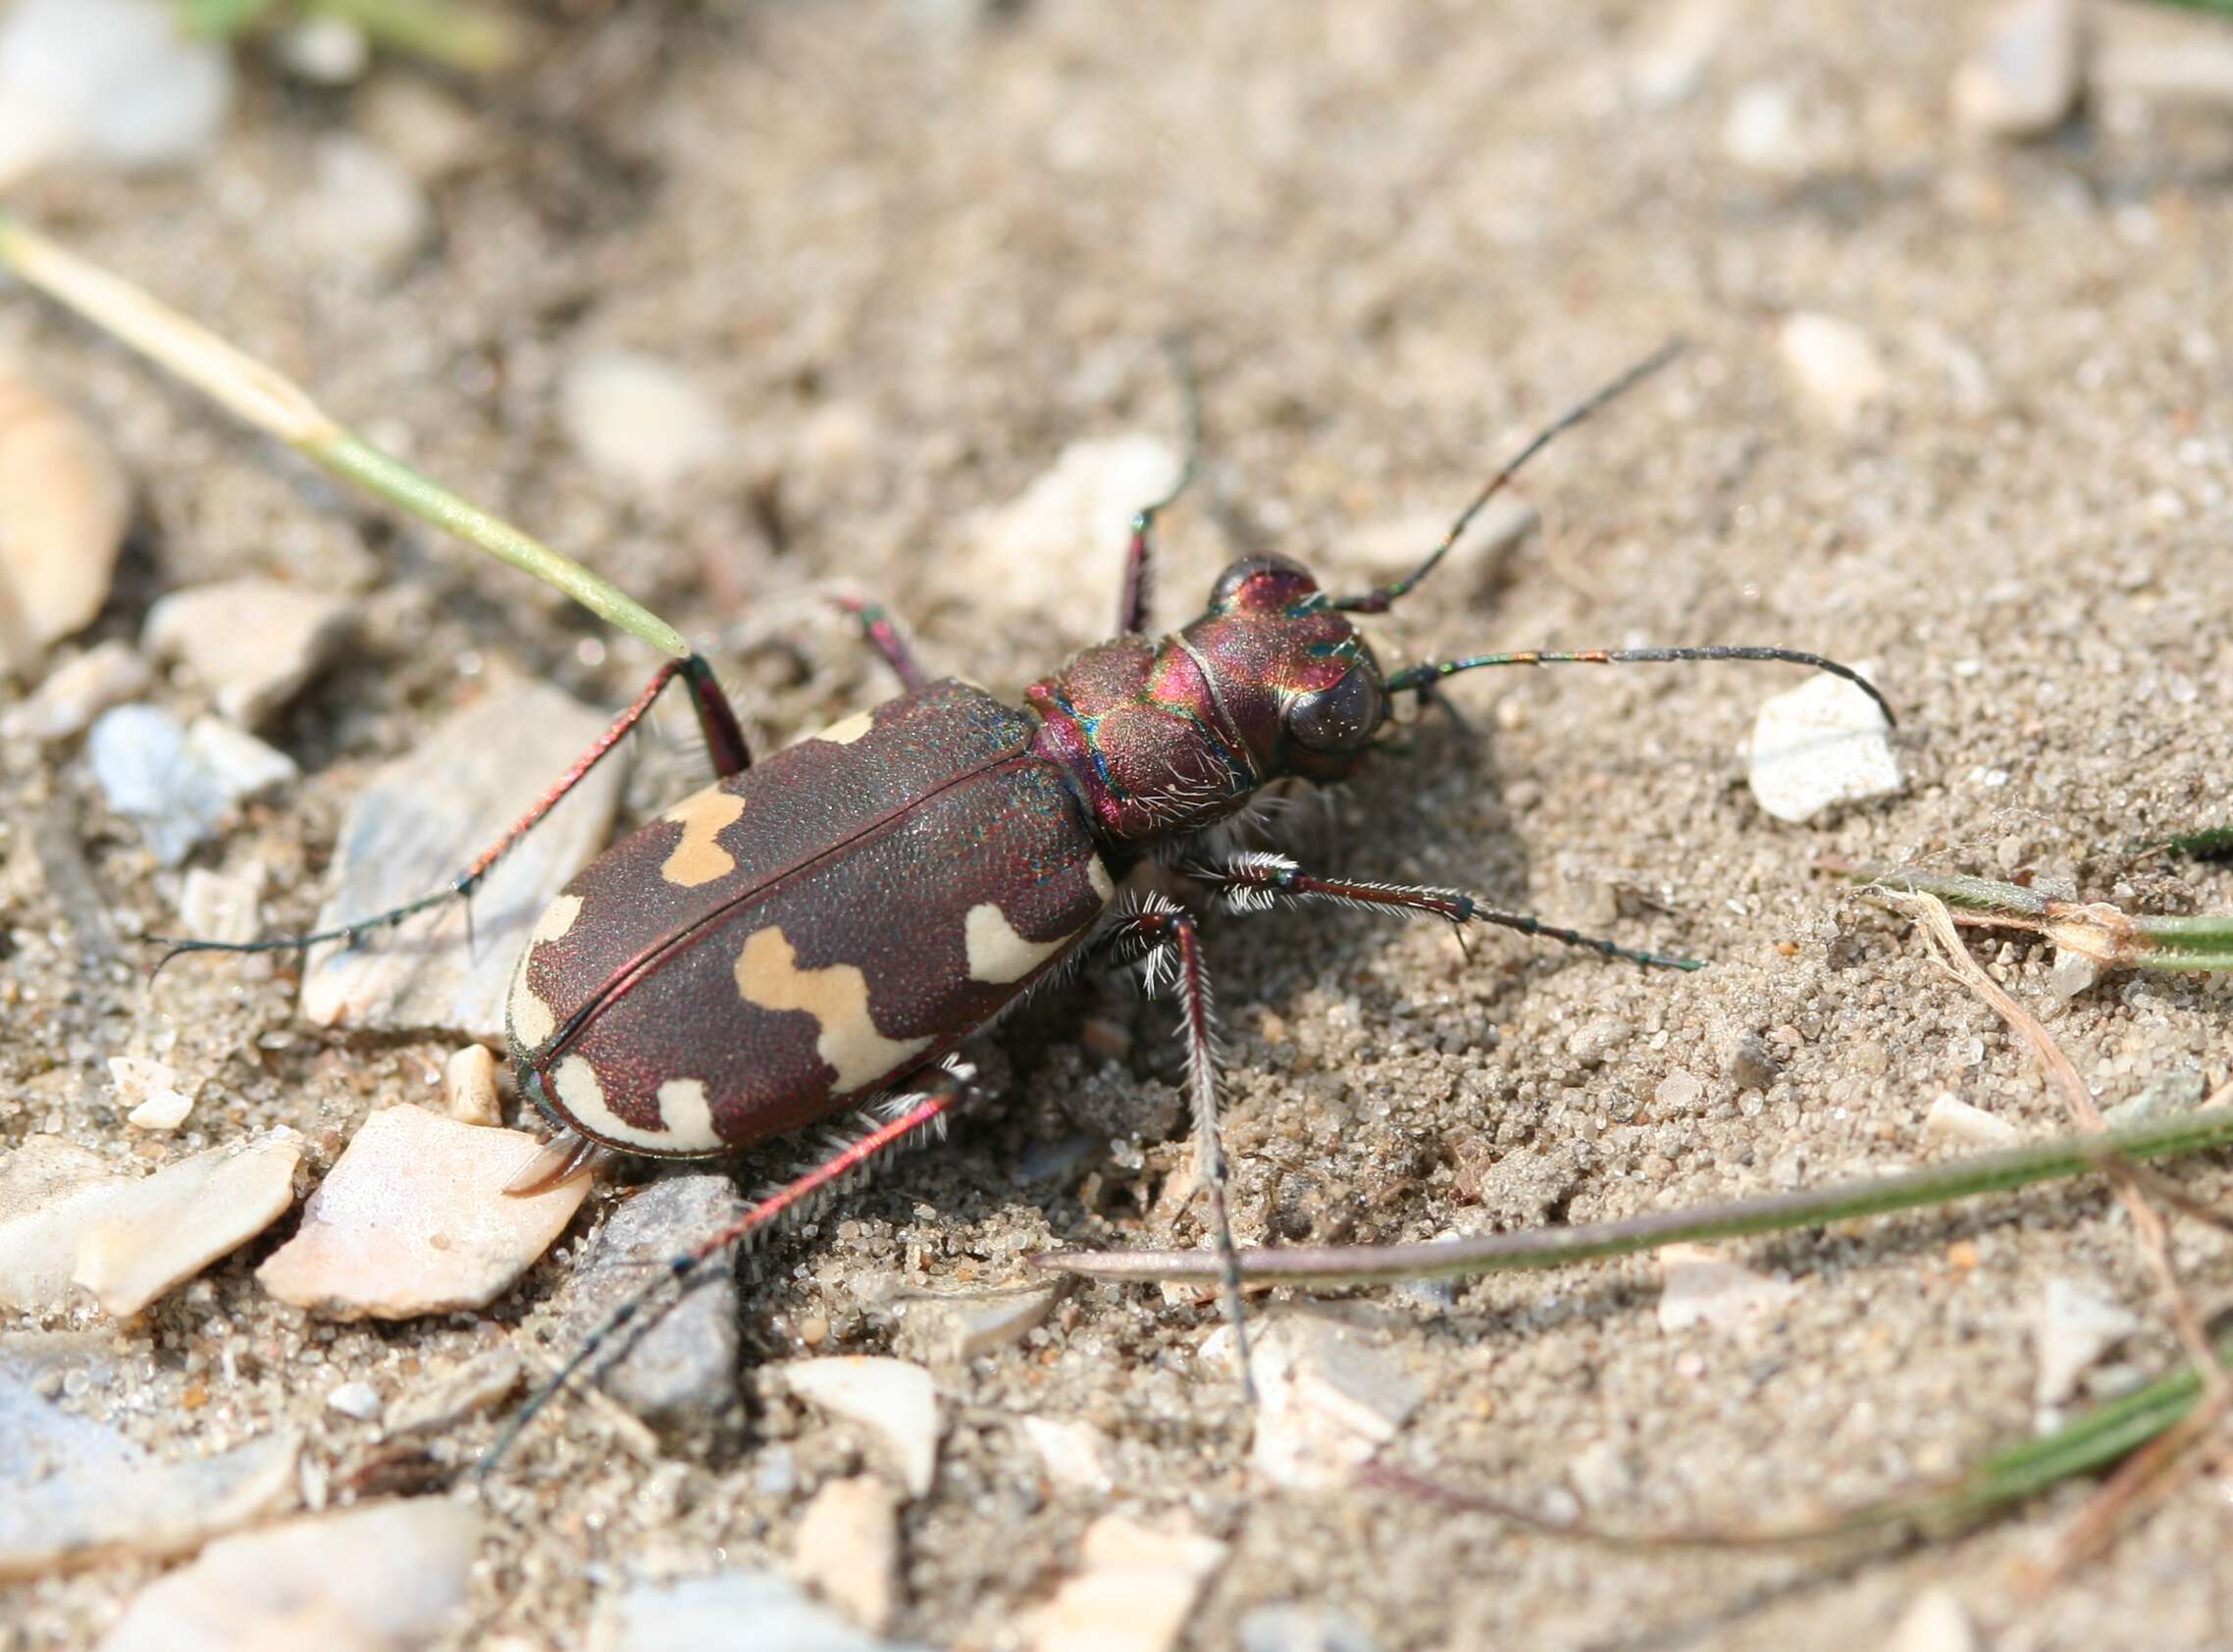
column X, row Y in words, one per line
column 909, row 254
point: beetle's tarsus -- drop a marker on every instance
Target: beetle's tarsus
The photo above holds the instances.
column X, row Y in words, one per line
column 561, row 1158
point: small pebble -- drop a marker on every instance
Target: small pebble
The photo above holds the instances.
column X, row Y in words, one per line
column 221, row 905
column 640, row 420
column 1937, row 1621
column 2073, row 973
column 2073, row 1327
column 413, row 1219
column 893, row 1400
column 469, row 1086
column 1697, row 1287
column 383, row 1577
column 2023, row 81
column 253, row 643
column 1951, row 1120
column 1679, row 1094
column 721, row 1613
column 679, row 1372
column 128, row 1239
column 81, row 1492
column 479, row 1384
column 429, row 133
column 423, row 817
column 2176, row 1093
column 848, row 1550
column 1751, row 1064
column 360, row 1400
column 1603, row 1477
column 965, row 1327
column 73, row 693
column 149, row 1092
column 1592, row 1041
column 111, row 80
column 64, row 506
column 1834, row 363
column 1761, row 131
column 180, row 785
column 1133, row 1592
column 1674, row 47
column 1075, row 1454
column 326, row 51
column 1819, row 745
column 1327, row 1398
column 1023, row 557
column 1291, row 1626
column 365, row 215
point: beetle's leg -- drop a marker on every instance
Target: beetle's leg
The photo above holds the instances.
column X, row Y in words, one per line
column 1139, row 556
column 902, row 1119
column 1256, row 881
column 723, row 738
column 1171, row 953
column 882, row 633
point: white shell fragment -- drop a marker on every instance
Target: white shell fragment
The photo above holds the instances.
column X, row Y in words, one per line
column 2023, row 80
column 638, row 420
column 64, row 504
column 130, row 1239
column 79, row 1493
column 253, row 643
column 110, row 80
column 1327, row 1397
column 413, row 1219
column 1834, row 363
column 1697, row 1287
column 894, row 1400
column 385, row 1577
column 1952, row 1119
column 2074, row 1328
column 418, row 823
column 1819, row 745
column 1132, row 1593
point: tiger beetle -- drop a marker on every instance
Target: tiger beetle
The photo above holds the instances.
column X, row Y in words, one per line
column 818, row 933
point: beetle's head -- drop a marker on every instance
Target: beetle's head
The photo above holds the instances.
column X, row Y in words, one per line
column 1286, row 673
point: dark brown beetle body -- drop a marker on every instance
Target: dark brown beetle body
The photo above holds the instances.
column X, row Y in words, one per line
column 805, row 934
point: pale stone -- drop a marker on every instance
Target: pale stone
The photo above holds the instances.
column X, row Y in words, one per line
column 1952, row 1119
column 479, row 1384
column 964, row 1328
column 1327, row 1397
column 469, row 1086
column 148, row 1090
column 64, row 506
column 638, row 420
column 365, row 215
column 1027, row 555
column 253, row 643
column 418, row 823
column 1134, row 1591
column 2023, row 81
column 359, row 1400
column 385, row 1577
column 413, row 1219
column 1074, row 1454
column 1937, row 1621
column 894, row 1400
column 128, row 1239
column 1697, row 1287
column 117, row 81
column 73, row 693
column 2071, row 1329
column 1819, row 745
column 848, row 1550
column 1835, row 364
column 721, row 1613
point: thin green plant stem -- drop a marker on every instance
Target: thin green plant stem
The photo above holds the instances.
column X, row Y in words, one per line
column 267, row 402
column 2056, row 1160
column 2107, row 933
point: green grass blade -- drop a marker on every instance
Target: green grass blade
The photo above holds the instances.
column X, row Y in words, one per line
column 2056, row 1160
column 269, row 402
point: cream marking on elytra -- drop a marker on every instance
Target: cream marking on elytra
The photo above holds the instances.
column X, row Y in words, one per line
column 575, row 1083
column 697, row 859
column 999, row 953
column 845, row 730
column 533, row 1021
column 837, row 997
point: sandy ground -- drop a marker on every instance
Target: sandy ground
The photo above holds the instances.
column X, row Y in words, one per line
column 914, row 257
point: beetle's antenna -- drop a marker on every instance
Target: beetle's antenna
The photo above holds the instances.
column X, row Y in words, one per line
column 1383, row 597
column 1418, row 678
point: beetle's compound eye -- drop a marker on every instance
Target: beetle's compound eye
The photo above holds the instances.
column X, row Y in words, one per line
column 1261, row 582
column 1340, row 718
